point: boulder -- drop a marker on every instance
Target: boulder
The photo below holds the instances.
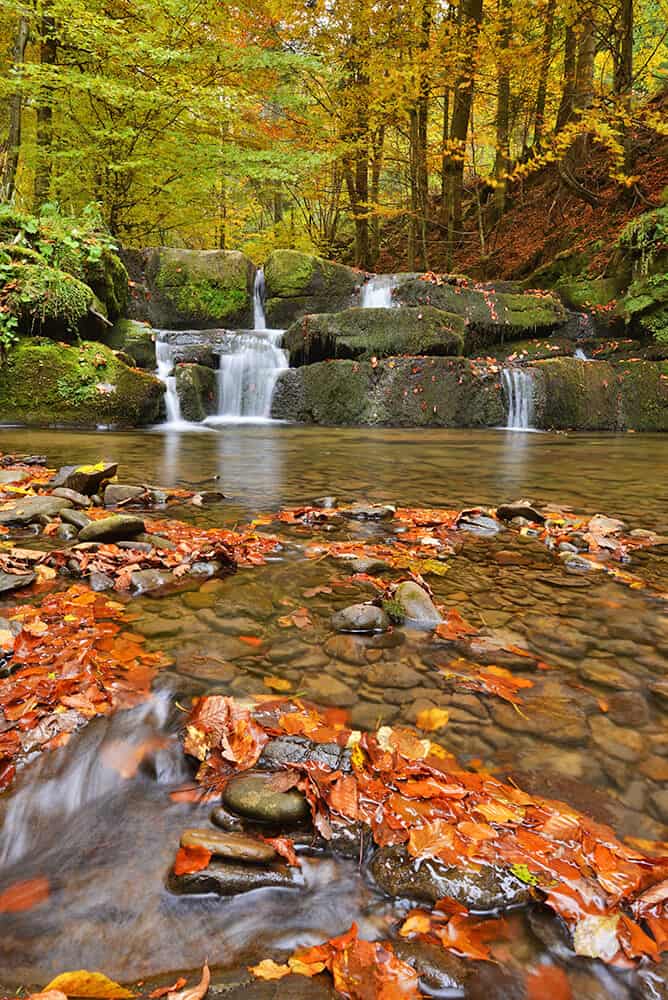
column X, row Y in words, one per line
column 491, row 315
column 395, row 392
column 13, row 581
column 76, row 518
column 28, row 509
column 135, row 339
column 199, row 289
column 361, row 334
column 360, row 618
column 78, row 499
column 417, row 605
column 196, row 389
column 299, row 283
column 253, row 796
column 146, row 581
column 85, row 480
column 112, row 529
column 482, row 888
column 116, row 493
column 52, row 303
column 84, row 385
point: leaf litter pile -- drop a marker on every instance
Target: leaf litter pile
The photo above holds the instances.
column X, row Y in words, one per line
column 70, row 657
column 412, row 792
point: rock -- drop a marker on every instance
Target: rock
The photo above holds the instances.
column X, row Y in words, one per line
column 522, row 508
column 298, row 284
column 478, row 524
column 438, row 969
column 347, row 648
column 360, row 564
column 116, row 493
column 628, row 708
column 360, row 618
column 240, row 985
column 395, row 675
column 9, row 476
column 115, row 528
column 206, row 497
column 362, row 334
column 660, row 803
column 417, row 604
column 370, row 715
column 13, row 581
column 146, row 581
column 624, row 744
column 326, row 690
column 370, row 512
column 483, row 889
column 547, row 712
column 136, row 340
column 199, row 289
column 135, row 546
column 225, row 820
column 100, row 581
column 78, row 499
column 157, row 541
column 76, row 518
column 196, row 389
column 87, row 479
column 66, row 532
column 252, row 795
column 224, row 878
column 27, row 509
column 286, row 750
column 238, row 846
column 605, row 673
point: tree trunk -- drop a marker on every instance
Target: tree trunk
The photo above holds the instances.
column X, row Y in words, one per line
column 546, row 54
column 623, row 81
column 567, row 104
column 13, row 144
column 502, row 159
column 377, row 144
column 471, row 12
column 48, row 54
column 444, row 157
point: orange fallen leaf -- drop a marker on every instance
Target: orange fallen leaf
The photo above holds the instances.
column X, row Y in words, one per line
column 191, row 859
column 195, row 992
column 24, row 895
column 432, row 718
column 276, row 683
column 162, row 991
column 268, row 969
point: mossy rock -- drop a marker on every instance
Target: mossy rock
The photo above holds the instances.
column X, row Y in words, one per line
column 581, row 292
column 47, row 384
column 199, row 289
column 361, row 334
column 492, row 315
column 196, row 389
column 135, row 339
column 48, row 301
column 109, row 280
column 395, row 392
column 298, row 283
column 599, row 395
column 644, row 307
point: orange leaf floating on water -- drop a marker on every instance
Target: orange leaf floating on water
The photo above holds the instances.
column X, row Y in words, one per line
column 267, row 969
column 277, row 683
column 286, row 848
column 89, row 984
column 162, row 991
column 545, row 981
column 24, row 895
column 251, row 640
column 191, row 859
column 454, row 626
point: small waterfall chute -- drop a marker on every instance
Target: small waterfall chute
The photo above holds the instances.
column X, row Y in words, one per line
column 164, row 356
column 580, row 354
column 377, row 292
column 518, row 389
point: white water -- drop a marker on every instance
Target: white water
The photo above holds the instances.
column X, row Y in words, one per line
column 518, row 387
column 580, row 354
column 377, row 292
column 164, row 356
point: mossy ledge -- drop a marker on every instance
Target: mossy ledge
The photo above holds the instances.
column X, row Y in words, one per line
column 199, row 289
column 44, row 384
column 299, row 283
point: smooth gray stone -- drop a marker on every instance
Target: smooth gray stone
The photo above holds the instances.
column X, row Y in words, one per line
column 78, row 499
column 417, row 604
column 75, row 517
column 228, row 878
column 119, row 492
column 238, row 846
column 29, row 508
column 251, row 795
column 360, row 618
column 13, row 581
column 112, row 529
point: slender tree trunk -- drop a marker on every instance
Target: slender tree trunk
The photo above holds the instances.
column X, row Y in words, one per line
column 13, row 144
column 377, row 147
column 623, row 82
column 48, row 54
column 502, row 159
column 445, row 138
column 567, row 105
column 546, row 55
column 471, row 11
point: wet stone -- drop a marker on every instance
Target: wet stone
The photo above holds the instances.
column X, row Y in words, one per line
column 479, row 524
column 155, row 541
column 116, row 493
column 66, row 532
column 152, row 628
column 238, row 846
column 437, row 968
column 147, row 581
column 660, row 802
column 370, row 715
column 225, row 820
column 12, row 581
column 370, row 512
column 326, row 690
column 624, row 744
column 605, row 673
column 347, row 648
column 30, row 508
column 225, row 878
column 396, row 675
column 628, row 708
column 74, row 517
column 488, row 888
column 286, row 750
column 100, row 581
column 78, row 499
column 252, row 795
column 417, row 604
column 361, row 564
column 197, row 600
column 85, row 479
column 360, row 618
column 112, row 529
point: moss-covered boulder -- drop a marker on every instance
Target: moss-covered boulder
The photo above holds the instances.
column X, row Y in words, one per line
column 361, row 334
column 136, row 340
column 106, row 275
column 400, row 392
column 199, row 289
column 48, row 301
column 47, row 384
column 492, row 315
column 196, row 389
column 600, row 395
column 298, row 283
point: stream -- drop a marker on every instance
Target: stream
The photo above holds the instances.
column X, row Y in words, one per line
column 105, row 837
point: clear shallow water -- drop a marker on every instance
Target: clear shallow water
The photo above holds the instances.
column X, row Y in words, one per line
column 107, row 843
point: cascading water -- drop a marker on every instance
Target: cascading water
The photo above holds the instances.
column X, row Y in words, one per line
column 518, row 388
column 580, row 354
column 164, row 356
column 377, row 292
column 250, row 362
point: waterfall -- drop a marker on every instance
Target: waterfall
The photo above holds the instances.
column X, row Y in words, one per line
column 250, row 362
column 377, row 292
column 518, row 388
column 580, row 354
column 164, row 356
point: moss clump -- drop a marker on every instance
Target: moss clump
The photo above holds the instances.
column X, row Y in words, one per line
column 135, row 339
column 299, row 283
column 200, row 288
column 361, row 334
column 46, row 300
column 109, row 280
column 48, row 384
column 288, row 273
column 394, row 611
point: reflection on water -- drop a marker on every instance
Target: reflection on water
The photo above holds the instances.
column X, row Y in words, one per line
column 591, row 731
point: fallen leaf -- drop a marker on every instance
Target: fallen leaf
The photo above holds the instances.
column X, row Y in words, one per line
column 89, row 984
column 432, row 718
column 24, row 895
column 195, row 992
column 268, row 969
column 164, row 990
column 191, row 859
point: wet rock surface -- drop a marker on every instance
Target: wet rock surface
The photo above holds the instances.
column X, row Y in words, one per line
column 253, row 796
column 417, row 605
column 112, row 529
column 227, row 878
column 360, row 618
column 238, row 846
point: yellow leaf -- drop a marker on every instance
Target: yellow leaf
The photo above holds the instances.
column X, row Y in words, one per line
column 88, row 984
column 432, row 718
column 268, row 969
column 417, row 923
column 434, row 566
column 45, row 573
column 277, row 683
column 6, row 639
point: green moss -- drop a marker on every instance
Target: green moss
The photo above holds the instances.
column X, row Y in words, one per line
column 109, row 280
column 394, row 611
column 137, row 340
column 288, row 273
column 361, row 334
column 645, row 239
column 299, row 283
column 582, row 292
column 45, row 299
column 46, row 384
column 202, row 299
column 196, row 388
column 201, row 288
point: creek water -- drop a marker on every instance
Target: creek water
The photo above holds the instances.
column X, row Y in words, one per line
column 106, row 842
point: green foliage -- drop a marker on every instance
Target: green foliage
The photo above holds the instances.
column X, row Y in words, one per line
column 394, row 610
column 645, row 238
column 40, row 296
